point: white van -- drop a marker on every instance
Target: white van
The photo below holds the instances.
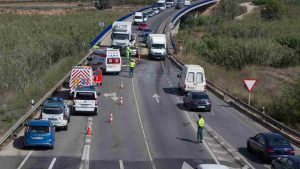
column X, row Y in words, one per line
column 109, row 60
column 192, row 78
column 138, row 18
column 157, row 46
column 161, row 4
column 187, row 2
column 85, row 99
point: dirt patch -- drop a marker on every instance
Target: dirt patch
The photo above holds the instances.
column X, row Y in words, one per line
column 250, row 7
column 211, row 10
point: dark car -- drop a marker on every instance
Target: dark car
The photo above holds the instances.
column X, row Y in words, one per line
column 177, row 6
column 197, row 100
column 269, row 146
column 39, row 133
column 289, row 162
column 145, row 34
column 143, row 26
column 151, row 13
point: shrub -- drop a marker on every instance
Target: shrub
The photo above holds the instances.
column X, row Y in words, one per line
column 272, row 10
column 259, row 2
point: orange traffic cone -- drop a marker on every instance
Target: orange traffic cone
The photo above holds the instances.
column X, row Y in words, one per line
column 89, row 130
column 122, row 85
column 121, row 100
column 110, row 118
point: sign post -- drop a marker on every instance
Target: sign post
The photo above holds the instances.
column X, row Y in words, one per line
column 249, row 85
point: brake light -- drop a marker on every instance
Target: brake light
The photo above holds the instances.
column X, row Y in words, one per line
column 292, row 152
column 270, row 150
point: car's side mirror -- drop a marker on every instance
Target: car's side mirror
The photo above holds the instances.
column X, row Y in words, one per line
column 179, row 76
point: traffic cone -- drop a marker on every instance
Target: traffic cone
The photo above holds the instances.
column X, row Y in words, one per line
column 89, row 130
column 121, row 100
column 121, row 85
column 110, row 118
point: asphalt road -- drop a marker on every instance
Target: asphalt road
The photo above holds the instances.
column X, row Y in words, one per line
column 145, row 133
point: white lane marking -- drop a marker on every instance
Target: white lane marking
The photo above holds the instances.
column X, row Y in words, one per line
column 220, row 152
column 87, row 140
column 25, row 159
column 140, row 119
column 121, row 164
column 162, row 64
column 204, row 142
column 90, row 118
column 84, row 164
column 52, row 163
column 171, row 86
column 214, row 145
column 225, row 159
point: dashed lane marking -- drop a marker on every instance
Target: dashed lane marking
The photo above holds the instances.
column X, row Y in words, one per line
column 52, row 163
column 225, row 159
column 162, row 64
column 85, row 158
column 140, row 119
column 214, row 145
column 121, row 164
column 25, row 159
column 88, row 140
column 90, row 118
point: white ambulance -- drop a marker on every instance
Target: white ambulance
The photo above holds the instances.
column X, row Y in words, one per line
column 81, row 76
column 192, row 78
column 109, row 60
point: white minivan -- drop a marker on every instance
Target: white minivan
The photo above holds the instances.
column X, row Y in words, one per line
column 192, row 78
column 187, row 2
column 138, row 18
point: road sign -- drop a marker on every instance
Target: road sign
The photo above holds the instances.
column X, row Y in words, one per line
column 101, row 24
column 249, row 84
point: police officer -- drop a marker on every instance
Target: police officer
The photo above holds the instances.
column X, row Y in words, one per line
column 128, row 52
column 200, row 124
column 131, row 67
column 96, row 47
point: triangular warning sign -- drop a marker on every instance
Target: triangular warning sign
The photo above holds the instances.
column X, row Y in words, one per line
column 249, row 84
column 185, row 165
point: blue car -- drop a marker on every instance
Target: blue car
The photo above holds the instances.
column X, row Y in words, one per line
column 289, row 162
column 269, row 146
column 39, row 133
column 145, row 34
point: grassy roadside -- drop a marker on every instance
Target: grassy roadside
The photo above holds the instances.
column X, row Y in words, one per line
column 36, row 51
column 261, row 46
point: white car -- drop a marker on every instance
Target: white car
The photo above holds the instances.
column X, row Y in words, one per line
column 187, row 2
column 85, row 99
column 211, row 166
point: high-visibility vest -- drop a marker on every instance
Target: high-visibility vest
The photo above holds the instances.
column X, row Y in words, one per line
column 200, row 122
column 132, row 64
column 96, row 47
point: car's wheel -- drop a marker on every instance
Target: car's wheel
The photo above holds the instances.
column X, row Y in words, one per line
column 95, row 111
column 163, row 59
column 189, row 107
column 66, row 127
column 208, row 110
column 69, row 119
column 51, row 147
column 249, row 148
column 272, row 167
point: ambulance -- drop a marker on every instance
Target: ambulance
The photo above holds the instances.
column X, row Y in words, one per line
column 81, row 76
column 109, row 60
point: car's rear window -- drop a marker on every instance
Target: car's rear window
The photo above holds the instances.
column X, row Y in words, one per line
column 85, row 96
column 200, row 96
column 39, row 129
column 277, row 141
column 52, row 110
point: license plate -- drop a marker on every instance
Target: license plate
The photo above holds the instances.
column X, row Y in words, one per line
column 37, row 138
column 201, row 107
column 52, row 119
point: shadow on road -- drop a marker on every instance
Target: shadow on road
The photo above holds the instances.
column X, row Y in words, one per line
column 188, row 140
column 250, row 156
column 173, row 91
column 18, row 144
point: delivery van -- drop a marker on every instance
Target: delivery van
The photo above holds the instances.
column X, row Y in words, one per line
column 109, row 60
column 192, row 78
column 138, row 18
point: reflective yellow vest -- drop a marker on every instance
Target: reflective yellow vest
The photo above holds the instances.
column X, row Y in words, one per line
column 132, row 64
column 200, row 122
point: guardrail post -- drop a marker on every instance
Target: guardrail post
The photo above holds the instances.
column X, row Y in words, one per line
column 263, row 110
column 32, row 104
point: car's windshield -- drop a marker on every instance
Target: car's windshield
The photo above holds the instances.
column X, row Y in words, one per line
column 200, row 96
column 158, row 46
column 52, row 110
column 277, row 141
column 147, row 30
column 85, row 96
column 138, row 17
column 118, row 36
column 39, row 129
column 160, row 4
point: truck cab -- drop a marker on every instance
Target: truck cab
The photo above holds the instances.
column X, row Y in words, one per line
column 121, row 34
column 56, row 111
column 161, row 4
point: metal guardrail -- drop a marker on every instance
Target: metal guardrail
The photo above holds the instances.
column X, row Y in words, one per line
column 21, row 121
column 250, row 111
